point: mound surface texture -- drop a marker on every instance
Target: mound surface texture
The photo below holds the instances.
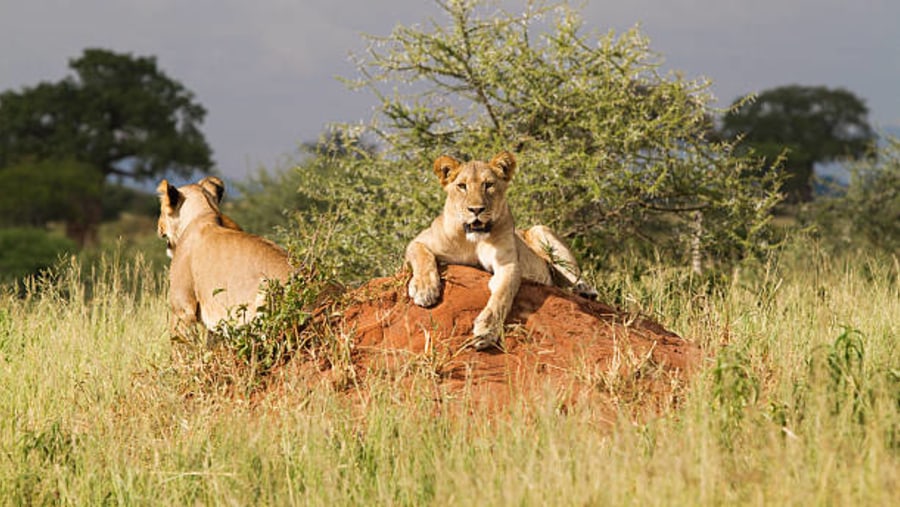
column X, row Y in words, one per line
column 557, row 344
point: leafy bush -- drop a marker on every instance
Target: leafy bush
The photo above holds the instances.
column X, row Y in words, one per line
column 266, row 342
column 868, row 213
column 117, row 199
column 26, row 251
column 269, row 199
column 47, row 190
column 265, row 200
column 610, row 151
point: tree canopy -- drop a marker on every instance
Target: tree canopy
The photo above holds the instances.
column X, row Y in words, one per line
column 610, row 149
column 120, row 113
column 867, row 213
column 117, row 114
column 812, row 123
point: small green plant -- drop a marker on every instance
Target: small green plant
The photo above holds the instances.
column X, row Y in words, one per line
column 735, row 388
column 279, row 329
column 846, row 362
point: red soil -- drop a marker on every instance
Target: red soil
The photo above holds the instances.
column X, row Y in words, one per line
column 575, row 350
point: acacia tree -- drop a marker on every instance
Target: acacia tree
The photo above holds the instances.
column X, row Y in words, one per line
column 118, row 113
column 609, row 148
column 811, row 124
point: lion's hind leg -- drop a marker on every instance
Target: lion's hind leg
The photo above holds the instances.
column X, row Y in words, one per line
column 564, row 268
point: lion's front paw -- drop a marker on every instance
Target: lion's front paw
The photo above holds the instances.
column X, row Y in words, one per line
column 425, row 290
column 486, row 331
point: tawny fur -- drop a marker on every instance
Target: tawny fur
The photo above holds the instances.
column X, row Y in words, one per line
column 216, row 267
column 476, row 228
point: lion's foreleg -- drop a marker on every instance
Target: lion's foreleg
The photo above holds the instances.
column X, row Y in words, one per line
column 425, row 285
column 183, row 320
column 504, row 286
column 184, row 306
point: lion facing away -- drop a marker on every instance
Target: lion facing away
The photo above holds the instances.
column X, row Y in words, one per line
column 476, row 228
column 216, row 268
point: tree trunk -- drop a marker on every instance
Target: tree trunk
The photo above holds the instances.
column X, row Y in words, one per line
column 696, row 250
column 798, row 184
column 82, row 225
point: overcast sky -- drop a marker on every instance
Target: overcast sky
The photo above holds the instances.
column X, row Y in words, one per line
column 265, row 69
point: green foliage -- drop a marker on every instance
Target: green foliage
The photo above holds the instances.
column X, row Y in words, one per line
column 373, row 214
column 25, row 251
column 281, row 331
column 119, row 113
column 812, row 123
column 867, row 215
column 270, row 200
column 267, row 199
column 609, row 149
column 118, row 199
column 846, row 369
column 735, row 388
column 48, row 190
column 274, row 337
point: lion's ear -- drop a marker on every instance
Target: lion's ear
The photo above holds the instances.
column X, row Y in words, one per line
column 214, row 186
column 505, row 164
column 445, row 167
column 169, row 196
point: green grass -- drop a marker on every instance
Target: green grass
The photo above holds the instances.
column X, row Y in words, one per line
column 797, row 402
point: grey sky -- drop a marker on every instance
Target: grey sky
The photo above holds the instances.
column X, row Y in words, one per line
column 265, row 69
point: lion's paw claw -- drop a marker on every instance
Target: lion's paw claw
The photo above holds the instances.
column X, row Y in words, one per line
column 423, row 293
column 485, row 342
column 486, row 331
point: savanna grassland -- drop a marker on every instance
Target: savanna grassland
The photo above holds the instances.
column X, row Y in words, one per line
column 797, row 402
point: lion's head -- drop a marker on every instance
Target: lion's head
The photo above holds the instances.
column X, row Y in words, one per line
column 179, row 206
column 476, row 192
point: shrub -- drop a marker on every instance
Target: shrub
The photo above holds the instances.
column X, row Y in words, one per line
column 26, row 251
column 868, row 213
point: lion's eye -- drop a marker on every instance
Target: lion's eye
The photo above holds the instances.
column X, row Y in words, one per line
column 461, row 187
column 488, row 185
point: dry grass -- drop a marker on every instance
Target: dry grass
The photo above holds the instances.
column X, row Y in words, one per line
column 798, row 403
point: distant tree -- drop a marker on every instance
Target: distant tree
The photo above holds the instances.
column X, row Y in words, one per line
column 50, row 190
column 814, row 124
column 119, row 199
column 118, row 113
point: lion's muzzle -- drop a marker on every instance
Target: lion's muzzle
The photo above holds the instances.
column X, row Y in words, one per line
column 477, row 226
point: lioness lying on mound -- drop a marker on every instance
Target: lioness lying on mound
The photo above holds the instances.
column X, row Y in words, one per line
column 476, row 229
column 216, row 267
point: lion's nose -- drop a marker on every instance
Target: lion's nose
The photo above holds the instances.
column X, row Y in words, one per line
column 476, row 209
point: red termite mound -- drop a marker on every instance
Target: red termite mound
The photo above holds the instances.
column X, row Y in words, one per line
column 579, row 351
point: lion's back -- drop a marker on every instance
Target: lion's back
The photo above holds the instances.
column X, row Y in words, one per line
column 228, row 268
